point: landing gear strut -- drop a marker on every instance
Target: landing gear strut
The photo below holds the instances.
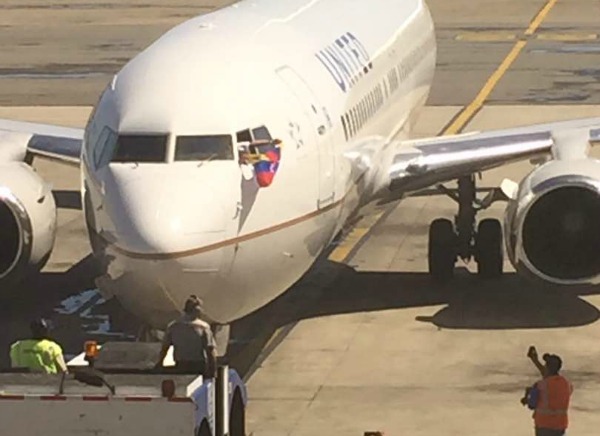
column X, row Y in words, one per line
column 462, row 239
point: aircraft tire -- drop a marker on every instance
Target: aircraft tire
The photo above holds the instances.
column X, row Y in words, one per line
column 442, row 249
column 489, row 249
column 237, row 419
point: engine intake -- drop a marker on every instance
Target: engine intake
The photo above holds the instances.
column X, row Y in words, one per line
column 561, row 233
column 11, row 242
column 27, row 222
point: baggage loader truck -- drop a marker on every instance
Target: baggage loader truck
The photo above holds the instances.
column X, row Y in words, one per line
column 114, row 390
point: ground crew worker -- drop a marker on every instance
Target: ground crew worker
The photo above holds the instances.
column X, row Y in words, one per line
column 192, row 340
column 549, row 397
column 39, row 354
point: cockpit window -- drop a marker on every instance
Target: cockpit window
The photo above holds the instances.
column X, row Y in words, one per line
column 104, row 147
column 207, row 147
column 141, row 148
column 244, row 136
column 261, row 134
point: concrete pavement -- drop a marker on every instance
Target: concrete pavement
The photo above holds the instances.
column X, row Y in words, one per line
column 371, row 344
column 385, row 348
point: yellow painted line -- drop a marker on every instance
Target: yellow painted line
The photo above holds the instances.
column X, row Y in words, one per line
column 494, row 36
column 342, row 251
column 486, row 36
column 541, row 16
column 567, row 37
column 471, row 109
column 273, row 337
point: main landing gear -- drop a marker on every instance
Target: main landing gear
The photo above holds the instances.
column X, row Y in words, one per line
column 449, row 241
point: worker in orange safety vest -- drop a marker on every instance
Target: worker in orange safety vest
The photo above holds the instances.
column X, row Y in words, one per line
column 549, row 397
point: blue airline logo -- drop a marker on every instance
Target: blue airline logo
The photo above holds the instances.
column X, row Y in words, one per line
column 346, row 60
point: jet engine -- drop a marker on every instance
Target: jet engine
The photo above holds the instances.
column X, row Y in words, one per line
column 27, row 221
column 552, row 224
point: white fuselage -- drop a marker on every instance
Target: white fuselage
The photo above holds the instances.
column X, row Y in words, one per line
column 334, row 80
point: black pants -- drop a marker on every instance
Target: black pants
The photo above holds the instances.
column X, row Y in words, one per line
column 548, row 432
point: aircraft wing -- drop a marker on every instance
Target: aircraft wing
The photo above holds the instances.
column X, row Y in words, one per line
column 425, row 162
column 61, row 143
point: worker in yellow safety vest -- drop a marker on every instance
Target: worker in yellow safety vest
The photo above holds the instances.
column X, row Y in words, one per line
column 38, row 354
column 549, row 397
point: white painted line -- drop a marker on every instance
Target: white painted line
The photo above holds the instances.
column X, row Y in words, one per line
column 75, row 303
column 83, row 304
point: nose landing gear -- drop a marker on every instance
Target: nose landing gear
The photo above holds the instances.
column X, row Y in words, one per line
column 450, row 241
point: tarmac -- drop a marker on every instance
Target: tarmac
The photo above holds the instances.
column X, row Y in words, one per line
column 366, row 342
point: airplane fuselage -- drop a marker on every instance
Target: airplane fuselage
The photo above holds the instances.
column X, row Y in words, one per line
column 334, row 80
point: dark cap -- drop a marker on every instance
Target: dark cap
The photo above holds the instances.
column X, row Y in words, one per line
column 193, row 305
column 39, row 328
column 553, row 363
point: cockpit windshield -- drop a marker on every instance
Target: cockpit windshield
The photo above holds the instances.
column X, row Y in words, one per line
column 260, row 133
column 206, row 147
column 141, row 148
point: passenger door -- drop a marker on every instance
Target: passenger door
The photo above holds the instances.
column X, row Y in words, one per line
column 319, row 133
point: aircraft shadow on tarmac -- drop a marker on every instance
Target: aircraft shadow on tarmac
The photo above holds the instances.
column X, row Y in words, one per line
column 47, row 287
column 332, row 289
column 506, row 303
column 36, row 296
column 67, row 199
column 468, row 303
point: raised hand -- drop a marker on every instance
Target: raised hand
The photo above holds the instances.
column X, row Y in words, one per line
column 532, row 353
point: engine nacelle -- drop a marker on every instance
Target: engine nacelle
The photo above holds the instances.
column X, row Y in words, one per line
column 27, row 221
column 552, row 227
column 13, row 146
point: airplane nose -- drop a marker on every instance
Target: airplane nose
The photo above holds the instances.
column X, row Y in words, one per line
column 155, row 215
